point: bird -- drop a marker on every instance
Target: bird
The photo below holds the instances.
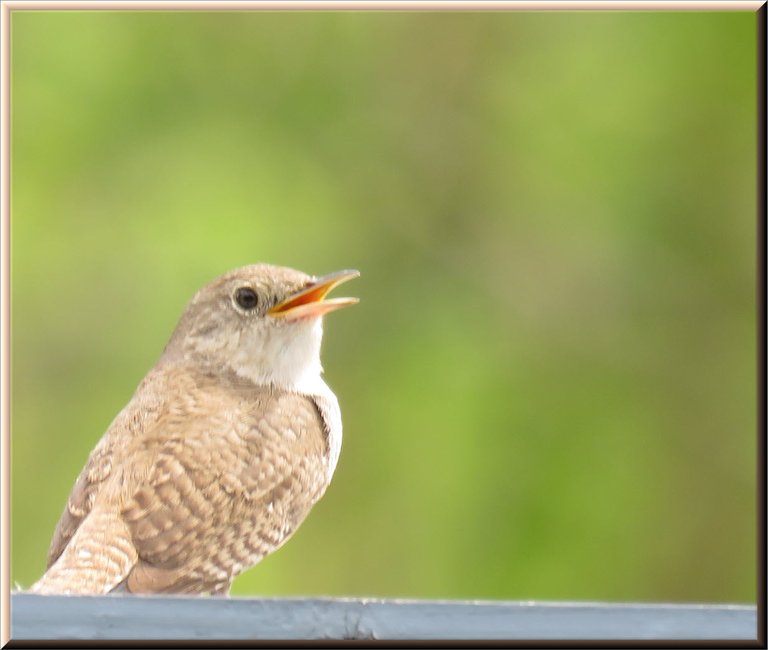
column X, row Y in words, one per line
column 225, row 446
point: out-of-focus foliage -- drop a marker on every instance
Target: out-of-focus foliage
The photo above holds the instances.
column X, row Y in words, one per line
column 548, row 387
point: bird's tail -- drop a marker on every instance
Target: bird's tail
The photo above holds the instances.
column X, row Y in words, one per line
column 98, row 557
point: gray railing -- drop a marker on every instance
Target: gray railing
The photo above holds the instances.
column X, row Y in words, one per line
column 36, row 617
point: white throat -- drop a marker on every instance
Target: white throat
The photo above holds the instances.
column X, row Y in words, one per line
column 289, row 358
column 285, row 356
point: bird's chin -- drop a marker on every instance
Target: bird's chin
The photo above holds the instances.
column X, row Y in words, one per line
column 284, row 356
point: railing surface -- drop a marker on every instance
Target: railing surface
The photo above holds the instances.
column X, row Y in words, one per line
column 36, row 617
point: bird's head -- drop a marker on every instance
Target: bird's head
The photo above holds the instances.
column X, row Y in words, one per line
column 262, row 322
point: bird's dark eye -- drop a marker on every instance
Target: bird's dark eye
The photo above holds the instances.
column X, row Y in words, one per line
column 246, row 297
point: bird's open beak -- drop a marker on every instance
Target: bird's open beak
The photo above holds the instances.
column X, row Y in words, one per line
column 309, row 302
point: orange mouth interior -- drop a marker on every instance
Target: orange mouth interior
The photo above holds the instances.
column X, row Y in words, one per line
column 311, row 301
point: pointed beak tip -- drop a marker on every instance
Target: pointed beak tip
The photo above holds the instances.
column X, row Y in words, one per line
column 310, row 301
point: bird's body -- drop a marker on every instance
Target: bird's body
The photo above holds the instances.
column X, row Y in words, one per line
column 222, row 451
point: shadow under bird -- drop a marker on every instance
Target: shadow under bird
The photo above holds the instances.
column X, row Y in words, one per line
column 221, row 453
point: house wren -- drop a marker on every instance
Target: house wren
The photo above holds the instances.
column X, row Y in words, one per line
column 221, row 453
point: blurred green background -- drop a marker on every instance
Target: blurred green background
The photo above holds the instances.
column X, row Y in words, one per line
column 548, row 387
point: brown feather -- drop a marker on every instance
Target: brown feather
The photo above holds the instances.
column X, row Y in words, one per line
column 219, row 492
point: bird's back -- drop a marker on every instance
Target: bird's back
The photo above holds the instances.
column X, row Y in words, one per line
column 197, row 479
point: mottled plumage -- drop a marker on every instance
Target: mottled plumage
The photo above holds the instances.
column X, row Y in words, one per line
column 224, row 448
